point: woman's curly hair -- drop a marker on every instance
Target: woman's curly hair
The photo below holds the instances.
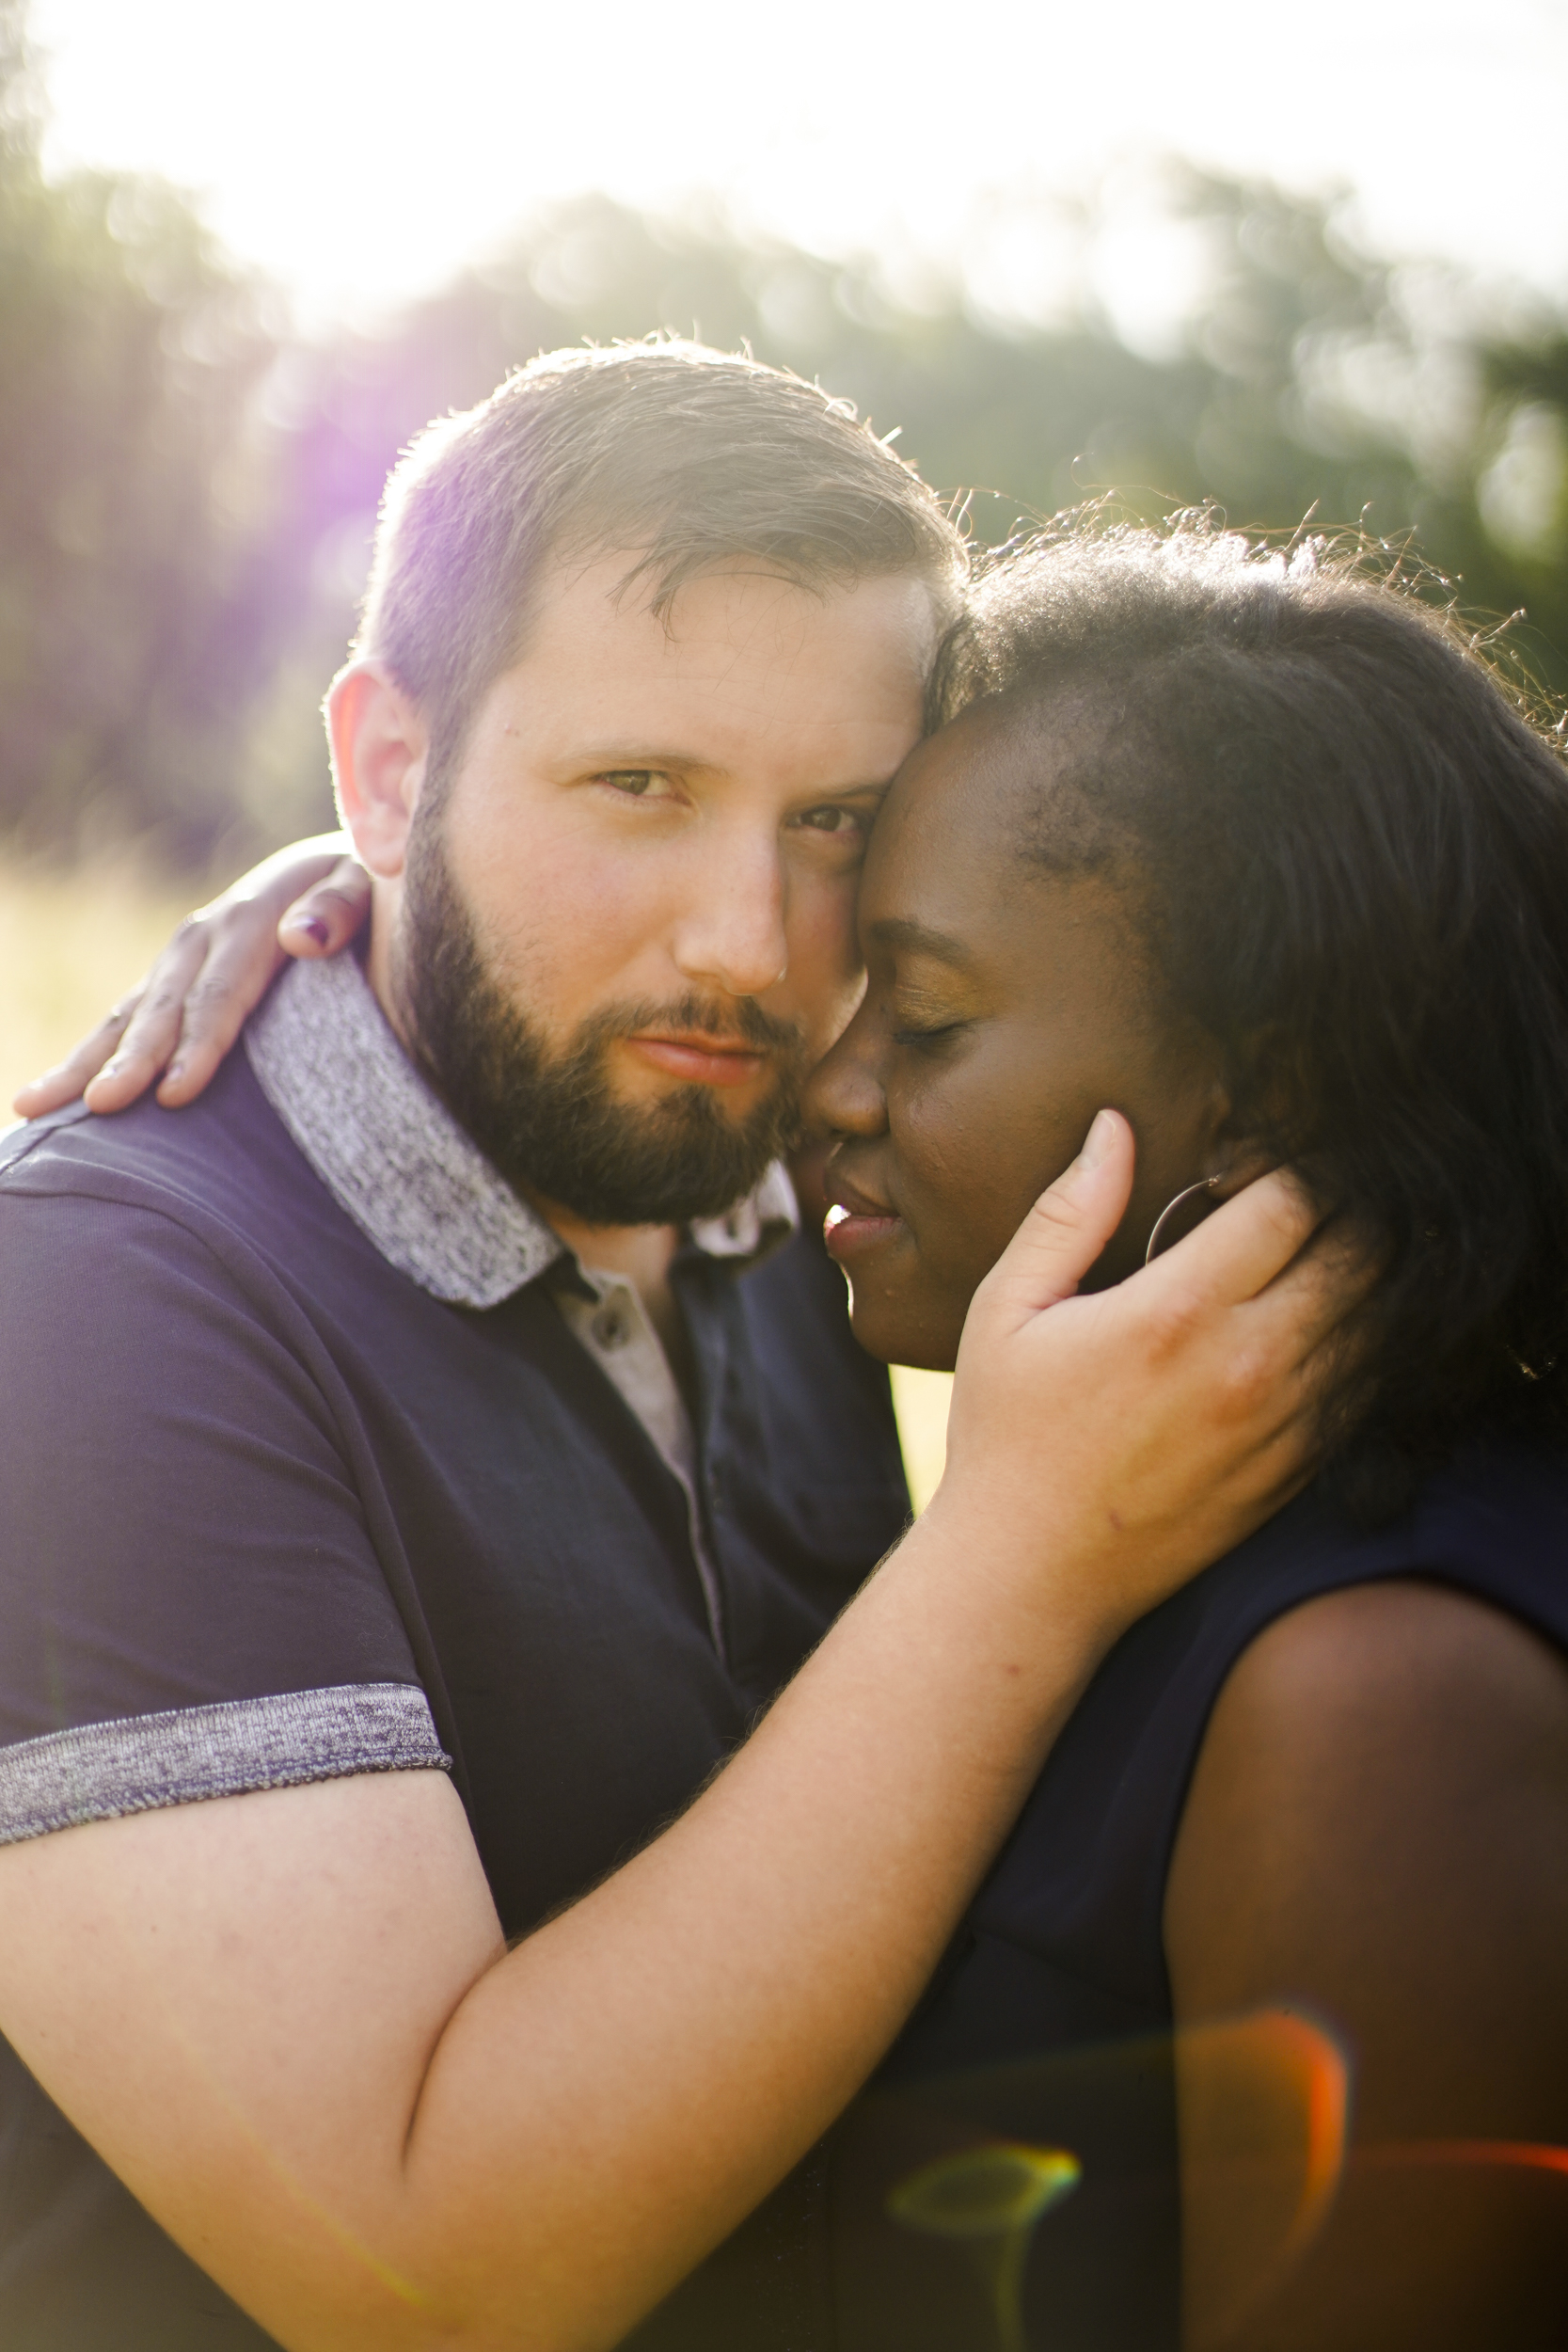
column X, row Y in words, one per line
column 1349, row 836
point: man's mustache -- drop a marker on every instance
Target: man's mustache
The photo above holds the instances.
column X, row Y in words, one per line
column 738, row 1021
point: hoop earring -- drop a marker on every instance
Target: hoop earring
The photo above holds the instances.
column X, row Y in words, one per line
column 1205, row 1184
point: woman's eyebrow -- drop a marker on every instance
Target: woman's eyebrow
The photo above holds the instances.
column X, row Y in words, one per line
column 917, row 939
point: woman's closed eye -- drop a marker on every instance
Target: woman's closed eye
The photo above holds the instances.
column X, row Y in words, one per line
column 923, row 1033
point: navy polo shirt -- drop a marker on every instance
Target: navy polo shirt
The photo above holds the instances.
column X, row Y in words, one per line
column 306, row 1473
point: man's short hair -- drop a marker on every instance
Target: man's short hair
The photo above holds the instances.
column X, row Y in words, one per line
column 682, row 457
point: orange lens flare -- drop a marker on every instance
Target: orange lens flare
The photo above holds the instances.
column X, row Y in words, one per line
column 1264, row 2103
column 1528, row 2154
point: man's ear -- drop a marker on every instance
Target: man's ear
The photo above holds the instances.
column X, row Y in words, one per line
column 380, row 747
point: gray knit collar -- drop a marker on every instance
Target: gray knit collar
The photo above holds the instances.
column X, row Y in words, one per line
column 392, row 1155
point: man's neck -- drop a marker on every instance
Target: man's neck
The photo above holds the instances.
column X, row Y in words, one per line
column 643, row 1254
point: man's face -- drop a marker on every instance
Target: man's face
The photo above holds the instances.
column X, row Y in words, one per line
column 628, row 932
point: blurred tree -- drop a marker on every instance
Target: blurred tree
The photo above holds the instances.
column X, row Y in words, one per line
column 1522, row 488
column 1305, row 377
column 187, row 495
column 138, row 619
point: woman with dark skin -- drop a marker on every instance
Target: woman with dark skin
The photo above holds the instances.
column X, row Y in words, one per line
column 1270, row 865
column 1265, row 858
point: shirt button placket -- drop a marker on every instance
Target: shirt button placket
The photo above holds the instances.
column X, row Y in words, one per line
column 611, row 1326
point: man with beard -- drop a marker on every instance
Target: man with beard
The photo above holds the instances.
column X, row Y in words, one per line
column 409, row 1505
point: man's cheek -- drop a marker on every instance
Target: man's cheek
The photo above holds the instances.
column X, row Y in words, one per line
column 826, row 979
column 560, row 945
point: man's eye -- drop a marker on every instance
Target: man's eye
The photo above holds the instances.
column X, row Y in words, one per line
column 641, row 783
column 838, row 823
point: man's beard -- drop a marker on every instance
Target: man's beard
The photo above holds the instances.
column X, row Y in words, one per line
column 550, row 1122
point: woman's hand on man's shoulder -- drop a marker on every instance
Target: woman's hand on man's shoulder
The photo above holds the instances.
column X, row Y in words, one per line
column 178, row 1023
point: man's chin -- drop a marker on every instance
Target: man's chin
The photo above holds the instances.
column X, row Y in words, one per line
column 680, row 1158
column 670, row 1111
column 609, row 1138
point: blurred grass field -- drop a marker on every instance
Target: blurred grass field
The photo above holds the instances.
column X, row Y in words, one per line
column 72, row 941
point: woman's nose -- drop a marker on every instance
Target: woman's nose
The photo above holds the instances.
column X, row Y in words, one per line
column 844, row 1094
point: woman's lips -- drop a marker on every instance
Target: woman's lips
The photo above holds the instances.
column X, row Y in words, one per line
column 856, row 1221
column 703, row 1061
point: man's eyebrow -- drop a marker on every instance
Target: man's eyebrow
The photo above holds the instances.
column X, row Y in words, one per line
column 597, row 759
column 601, row 756
column 917, row 939
column 600, row 760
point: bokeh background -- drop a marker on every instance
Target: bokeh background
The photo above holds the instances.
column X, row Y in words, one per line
column 1299, row 263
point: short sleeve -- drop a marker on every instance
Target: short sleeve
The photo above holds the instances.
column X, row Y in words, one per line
column 190, row 1603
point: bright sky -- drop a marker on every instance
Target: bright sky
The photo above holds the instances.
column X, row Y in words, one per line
column 361, row 152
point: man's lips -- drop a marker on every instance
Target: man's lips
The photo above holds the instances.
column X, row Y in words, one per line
column 701, row 1060
column 856, row 1221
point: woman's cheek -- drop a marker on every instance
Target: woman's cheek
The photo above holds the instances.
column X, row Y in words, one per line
column 960, row 1227
column 956, row 1141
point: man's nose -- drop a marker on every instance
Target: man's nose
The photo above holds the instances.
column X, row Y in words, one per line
column 843, row 1095
column 732, row 935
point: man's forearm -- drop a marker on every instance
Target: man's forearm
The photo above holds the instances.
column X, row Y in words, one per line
column 287, row 2020
column 773, row 1939
column 378, row 2129
column 683, row 2035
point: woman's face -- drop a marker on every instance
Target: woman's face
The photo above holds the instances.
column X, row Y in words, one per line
column 1004, row 1005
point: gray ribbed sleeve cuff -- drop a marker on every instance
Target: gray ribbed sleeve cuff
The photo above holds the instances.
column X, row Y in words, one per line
column 141, row 1762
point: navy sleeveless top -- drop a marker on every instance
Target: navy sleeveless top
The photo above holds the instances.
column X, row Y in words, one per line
column 1049, row 2020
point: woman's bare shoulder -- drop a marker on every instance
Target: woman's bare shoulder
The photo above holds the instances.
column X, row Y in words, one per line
column 1377, row 1757
column 1375, row 1834
column 1404, row 1648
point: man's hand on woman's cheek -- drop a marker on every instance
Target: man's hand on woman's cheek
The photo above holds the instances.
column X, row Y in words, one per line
column 1190, row 1412
column 178, row 1023
column 289, row 2021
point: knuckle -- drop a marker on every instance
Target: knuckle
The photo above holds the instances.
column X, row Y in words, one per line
column 166, row 997
column 341, row 902
column 1248, row 1380
column 1287, row 1208
column 205, row 997
column 327, row 899
column 1054, row 1214
column 1179, row 1314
